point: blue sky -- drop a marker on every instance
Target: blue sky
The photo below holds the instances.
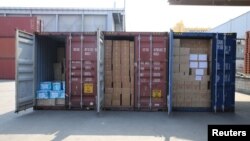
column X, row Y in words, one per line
column 146, row 15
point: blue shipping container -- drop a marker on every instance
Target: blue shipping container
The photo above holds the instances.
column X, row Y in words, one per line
column 223, row 49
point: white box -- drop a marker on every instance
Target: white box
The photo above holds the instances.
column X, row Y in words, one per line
column 193, row 65
column 198, row 77
column 202, row 65
column 199, row 72
column 202, row 57
column 193, row 57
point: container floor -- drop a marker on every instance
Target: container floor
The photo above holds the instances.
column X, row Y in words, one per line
column 110, row 125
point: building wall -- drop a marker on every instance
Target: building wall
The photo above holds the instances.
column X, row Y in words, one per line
column 240, row 25
column 71, row 20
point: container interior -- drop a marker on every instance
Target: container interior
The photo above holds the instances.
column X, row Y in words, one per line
column 192, row 69
column 119, row 71
column 47, row 54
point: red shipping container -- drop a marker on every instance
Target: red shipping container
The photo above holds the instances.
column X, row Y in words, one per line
column 7, row 47
column 83, row 55
column 10, row 24
column 7, row 70
column 151, row 74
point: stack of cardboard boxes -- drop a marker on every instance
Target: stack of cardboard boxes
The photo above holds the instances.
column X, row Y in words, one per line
column 191, row 80
column 119, row 73
column 117, row 84
column 108, row 72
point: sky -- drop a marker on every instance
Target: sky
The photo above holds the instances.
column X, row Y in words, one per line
column 146, row 15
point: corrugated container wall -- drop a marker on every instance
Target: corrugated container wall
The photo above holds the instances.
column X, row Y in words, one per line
column 205, row 76
column 7, row 41
column 81, row 74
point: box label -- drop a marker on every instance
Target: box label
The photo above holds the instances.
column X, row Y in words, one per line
column 156, row 94
column 88, row 88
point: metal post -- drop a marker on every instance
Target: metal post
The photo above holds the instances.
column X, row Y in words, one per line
column 70, row 66
column 150, row 79
column 81, row 38
column 139, row 72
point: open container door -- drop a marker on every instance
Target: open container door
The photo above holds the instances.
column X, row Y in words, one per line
column 100, row 71
column 224, row 54
column 25, row 45
column 170, row 75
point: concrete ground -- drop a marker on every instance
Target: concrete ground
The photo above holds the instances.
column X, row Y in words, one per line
column 32, row 125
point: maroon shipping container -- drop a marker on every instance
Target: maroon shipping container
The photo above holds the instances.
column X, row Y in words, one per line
column 7, row 47
column 81, row 67
column 7, row 58
column 247, row 54
column 7, row 70
column 151, row 71
column 151, row 51
column 10, row 24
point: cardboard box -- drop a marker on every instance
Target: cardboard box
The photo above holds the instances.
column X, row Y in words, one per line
column 108, row 67
column 184, row 59
column 206, row 78
column 108, row 43
column 176, row 51
column 109, row 90
column 176, row 68
column 117, row 84
column 184, row 68
column 116, row 103
column 132, row 99
column 107, row 100
column 125, row 99
column 116, row 44
column 193, row 57
column 184, row 51
column 177, row 42
column 193, row 65
column 108, row 81
column 126, row 84
column 125, row 91
column 204, row 85
column 176, row 60
column 132, row 91
column 108, row 73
